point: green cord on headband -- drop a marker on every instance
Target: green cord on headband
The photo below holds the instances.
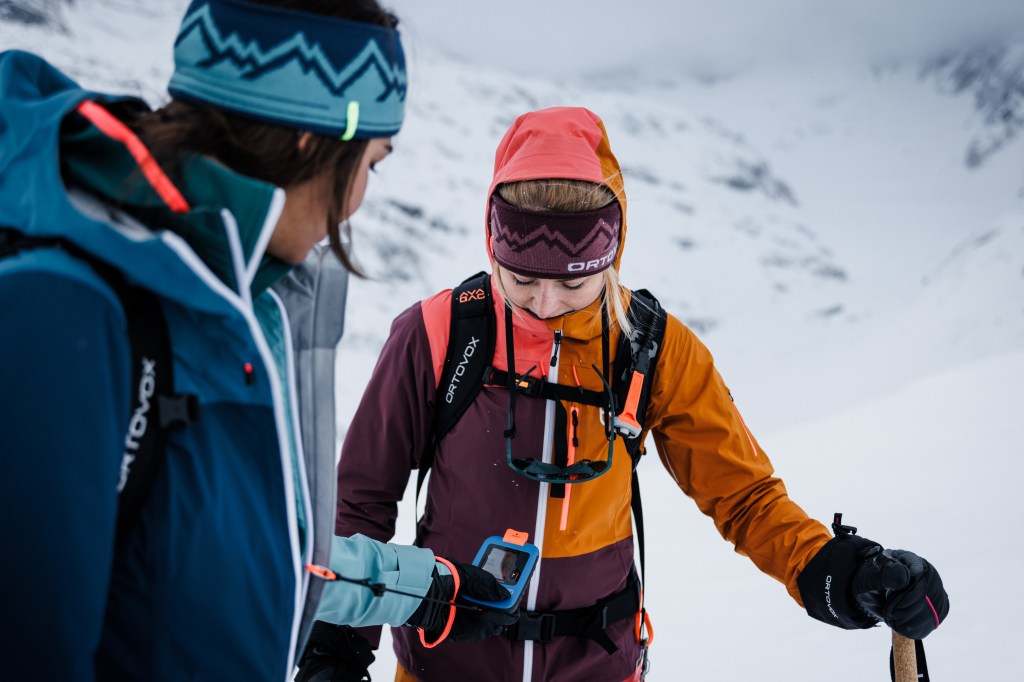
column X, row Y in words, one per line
column 351, row 122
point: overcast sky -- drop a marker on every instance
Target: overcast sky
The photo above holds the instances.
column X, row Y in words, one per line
column 573, row 37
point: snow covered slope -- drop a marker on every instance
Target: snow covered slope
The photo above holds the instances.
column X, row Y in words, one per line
column 884, row 161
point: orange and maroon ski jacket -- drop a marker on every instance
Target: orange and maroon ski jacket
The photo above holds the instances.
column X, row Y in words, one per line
column 585, row 538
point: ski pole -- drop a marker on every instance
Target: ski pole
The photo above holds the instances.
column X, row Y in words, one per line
column 904, row 657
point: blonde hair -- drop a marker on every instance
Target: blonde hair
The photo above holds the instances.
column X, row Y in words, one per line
column 570, row 196
column 558, row 195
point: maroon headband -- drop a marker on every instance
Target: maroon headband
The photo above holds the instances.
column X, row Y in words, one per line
column 551, row 245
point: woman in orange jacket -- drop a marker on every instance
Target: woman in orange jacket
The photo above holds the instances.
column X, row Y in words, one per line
column 544, row 462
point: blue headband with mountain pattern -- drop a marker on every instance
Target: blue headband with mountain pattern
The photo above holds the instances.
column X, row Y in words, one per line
column 295, row 69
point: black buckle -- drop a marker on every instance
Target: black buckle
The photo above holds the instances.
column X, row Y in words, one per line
column 537, row 627
column 839, row 529
column 531, row 386
column 180, row 409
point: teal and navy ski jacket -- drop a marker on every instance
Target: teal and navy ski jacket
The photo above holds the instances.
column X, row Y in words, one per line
column 210, row 584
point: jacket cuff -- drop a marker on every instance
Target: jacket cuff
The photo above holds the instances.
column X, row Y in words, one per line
column 826, row 583
column 398, row 567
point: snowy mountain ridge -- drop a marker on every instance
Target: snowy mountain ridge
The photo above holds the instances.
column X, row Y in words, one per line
column 994, row 75
column 784, row 218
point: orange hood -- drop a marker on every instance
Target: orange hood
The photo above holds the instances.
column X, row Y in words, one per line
column 560, row 142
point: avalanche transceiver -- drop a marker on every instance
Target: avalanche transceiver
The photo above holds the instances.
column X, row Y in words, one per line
column 511, row 560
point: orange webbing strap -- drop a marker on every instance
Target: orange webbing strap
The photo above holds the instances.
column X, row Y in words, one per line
column 116, row 130
column 451, row 609
column 628, row 415
column 570, row 459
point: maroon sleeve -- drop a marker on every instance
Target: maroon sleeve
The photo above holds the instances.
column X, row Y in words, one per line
column 389, row 432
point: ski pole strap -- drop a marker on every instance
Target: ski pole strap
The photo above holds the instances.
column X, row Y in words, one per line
column 451, row 609
column 589, row 622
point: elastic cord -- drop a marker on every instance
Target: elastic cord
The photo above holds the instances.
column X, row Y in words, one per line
column 116, row 130
column 451, row 609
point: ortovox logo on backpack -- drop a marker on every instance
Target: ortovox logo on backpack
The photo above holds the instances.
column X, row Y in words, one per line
column 155, row 407
column 140, row 420
column 460, row 369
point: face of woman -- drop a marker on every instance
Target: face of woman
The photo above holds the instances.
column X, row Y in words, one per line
column 303, row 221
column 547, row 298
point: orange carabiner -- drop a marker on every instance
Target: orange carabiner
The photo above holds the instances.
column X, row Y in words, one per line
column 641, row 621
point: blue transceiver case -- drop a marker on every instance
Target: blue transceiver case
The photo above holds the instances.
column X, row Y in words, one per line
column 511, row 560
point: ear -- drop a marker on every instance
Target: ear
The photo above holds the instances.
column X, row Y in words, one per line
column 304, row 138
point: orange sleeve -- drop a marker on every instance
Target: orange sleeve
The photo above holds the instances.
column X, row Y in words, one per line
column 703, row 442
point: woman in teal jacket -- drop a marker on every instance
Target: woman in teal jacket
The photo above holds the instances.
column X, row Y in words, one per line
column 193, row 210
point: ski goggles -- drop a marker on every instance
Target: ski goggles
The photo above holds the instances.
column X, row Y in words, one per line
column 549, row 472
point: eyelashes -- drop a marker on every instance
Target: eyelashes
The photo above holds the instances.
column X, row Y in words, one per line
column 531, row 282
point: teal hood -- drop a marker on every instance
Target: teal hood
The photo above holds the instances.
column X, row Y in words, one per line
column 59, row 175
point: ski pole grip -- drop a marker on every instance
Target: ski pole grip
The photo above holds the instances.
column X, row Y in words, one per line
column 904, row 658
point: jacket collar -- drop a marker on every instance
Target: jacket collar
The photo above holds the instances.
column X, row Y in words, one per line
column 226, row 225
column 580, row 325
column 65, row 178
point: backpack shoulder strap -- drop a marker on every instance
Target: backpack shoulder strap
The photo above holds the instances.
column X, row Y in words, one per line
column 155, row 408
column 635, row 362
column 470, row 349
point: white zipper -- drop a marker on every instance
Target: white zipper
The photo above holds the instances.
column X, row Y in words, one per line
column 243, row 304
column 237, row 261
column 185, row 252
column 300, row 457
column 277, row 202
column 542, row 504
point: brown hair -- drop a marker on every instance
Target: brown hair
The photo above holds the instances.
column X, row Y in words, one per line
column 265, row 151
column 570, row 196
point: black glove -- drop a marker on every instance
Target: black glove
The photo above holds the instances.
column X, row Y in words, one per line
column 335, row 653
column 826, row 583
column 470, row 625
column 903, row 590
column 853, row 583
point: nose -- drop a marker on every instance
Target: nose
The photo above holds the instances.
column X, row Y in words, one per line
column 546, row 303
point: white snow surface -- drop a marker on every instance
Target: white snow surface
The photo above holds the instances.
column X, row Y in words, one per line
column 860, row 284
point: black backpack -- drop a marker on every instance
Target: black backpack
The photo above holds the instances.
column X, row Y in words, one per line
column 155, row 408
column 467, row 368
